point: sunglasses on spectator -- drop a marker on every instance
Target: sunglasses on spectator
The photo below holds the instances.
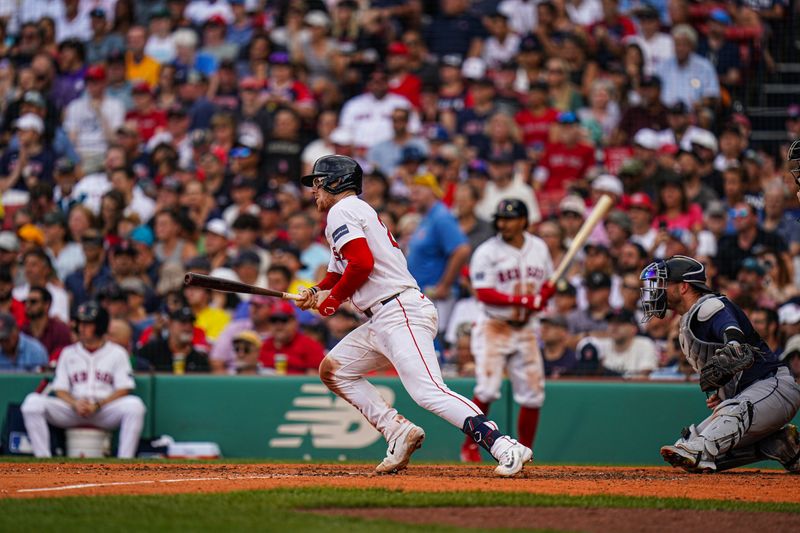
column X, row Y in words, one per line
column 243, row 347
column 278, row 319
column 741, row 213
column 242, row 151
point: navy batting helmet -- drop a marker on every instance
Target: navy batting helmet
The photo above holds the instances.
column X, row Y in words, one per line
column 511, row 208
column 657, row 274
column 93, row 313
column 793, row 156
column 336, row 173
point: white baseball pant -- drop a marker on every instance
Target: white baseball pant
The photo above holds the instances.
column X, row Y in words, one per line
column 497, row 346
column 400, row 333
column 127, row 413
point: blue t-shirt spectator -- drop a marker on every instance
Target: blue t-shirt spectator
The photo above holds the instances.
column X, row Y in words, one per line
column 688, row 83
column 432, row 244
column 29, row 357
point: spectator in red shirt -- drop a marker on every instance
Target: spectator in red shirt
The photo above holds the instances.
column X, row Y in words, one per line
column 50, row 331
column 302, row 353
column 535, row 120
column 565, row 161
column 283, row 90
column 8, row 304
column 147, row 117
column 401, row 80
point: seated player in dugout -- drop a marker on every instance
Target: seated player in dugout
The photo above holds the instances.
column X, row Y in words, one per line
column 752, row 394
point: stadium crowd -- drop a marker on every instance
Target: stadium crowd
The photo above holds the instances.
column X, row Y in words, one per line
column 140, row 140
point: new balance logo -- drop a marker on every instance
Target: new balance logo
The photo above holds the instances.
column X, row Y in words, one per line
column 330, row 421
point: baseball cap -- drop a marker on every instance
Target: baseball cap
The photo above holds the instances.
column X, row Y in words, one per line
column 565, row 288
column 8, row 242
column 269, row 203
column 555, row 320
column 751, row 264
column 647, row 12
column 530, row 43
column 789, row 313
column 249, row 336
column 177, row 110
column 451, row 60
column 411, row 154
column 182, row 314
column 598, row 280
column 317, row 18
column 282, row 308
column 30, row 122
column 34, row 98
column 243, row 181
column 599, row 246
column 54, row 218
column 217, row 226
column 64, row 165
column 608, row 183
column 198, row 262
column 621, row 316
column 247, row 257
column 477, row 168
column 124, row 247
column 793, row 111
column 573, row 204
column 95, row 72
column 640, row 200
column 143, row 235
column 704, row 139
column 720, row 15
column 278, row 58
column 133, row 286
column 97, row 12
column 31, row 233
column 216, row 20
column 7, row 325
column 792, row 347
column 92, row 237
column 650, row 81
column 342, row 137
column 647, row 139
column 715, row 208
column 141, row 87
column 251, row 83
column 567, row 117
column 473, row 68
column 501, row 158
column 621, row 219
column 678, row 108
column 631, row 167
column 397, row 48
column 429, row 180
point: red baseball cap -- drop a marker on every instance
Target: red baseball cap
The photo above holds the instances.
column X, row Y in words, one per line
column 282, row 308
column 398, row 48
column 640, row 200
column 251, row 83
column 95, row 72
column 141, row 87
column 217, row 20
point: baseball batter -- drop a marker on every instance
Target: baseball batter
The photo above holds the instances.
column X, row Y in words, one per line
column 92, row 383
column 753, row 395
column 368, row 268
column 508, row 272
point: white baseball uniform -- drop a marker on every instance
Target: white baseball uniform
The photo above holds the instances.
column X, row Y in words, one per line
column 400, row 331
column 93, row 376
column 504, row 336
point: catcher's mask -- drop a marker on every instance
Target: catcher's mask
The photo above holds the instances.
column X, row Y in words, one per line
column 793, row 156
column 657, row 274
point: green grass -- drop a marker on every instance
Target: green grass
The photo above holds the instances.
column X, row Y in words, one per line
column 281, row 509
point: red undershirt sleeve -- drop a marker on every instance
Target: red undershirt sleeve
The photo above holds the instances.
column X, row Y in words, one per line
column 329, row 280
column 359, row 266
column 493, row 297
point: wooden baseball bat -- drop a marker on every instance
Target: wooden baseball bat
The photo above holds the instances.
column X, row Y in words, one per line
column 600, row 209
column 193, row 279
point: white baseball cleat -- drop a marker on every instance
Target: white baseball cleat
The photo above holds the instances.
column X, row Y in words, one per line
column 513, row 459
column 680, row 457
column 400, row 450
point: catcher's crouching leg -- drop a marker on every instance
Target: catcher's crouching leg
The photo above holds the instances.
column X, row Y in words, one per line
column 698, row 451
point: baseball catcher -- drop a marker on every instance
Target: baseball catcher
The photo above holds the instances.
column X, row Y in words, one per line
column 752, row 394
column 793, row 156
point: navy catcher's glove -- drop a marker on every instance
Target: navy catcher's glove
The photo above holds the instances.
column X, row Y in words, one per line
column 726, row 363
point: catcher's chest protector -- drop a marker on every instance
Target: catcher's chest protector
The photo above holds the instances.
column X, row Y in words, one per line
column 698, row 351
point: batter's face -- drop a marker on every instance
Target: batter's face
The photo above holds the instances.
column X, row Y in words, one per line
column 511, row 228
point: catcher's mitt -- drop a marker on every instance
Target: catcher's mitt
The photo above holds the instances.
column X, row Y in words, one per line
column 726, row 363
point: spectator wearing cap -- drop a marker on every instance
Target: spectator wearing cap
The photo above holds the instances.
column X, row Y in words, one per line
column 39, row 271
column 175, row 134
column 688, row 77
column 571, row 214
column 452, row 89
column 502, row 44
column 64, row 193
column 135, row 200
column 117, row 84
column 176, row 353
column 624, row 351
column 122, row 261
column 271, row 227
column 215, row 46
column 146, row 116
column 715, row 223
column 559, row 358
column 31, row 237
column 32, row 161
column 455, row 30
column 51, row 332
column 223, row 355
column 438, row 248
column 216, row 241
column 285, row 90
column 389, row 153
column 92, row 119
column 721, row 52
column 536, row 119
column 314, row 256
column 735, row 248
column 283, row 148
column 139, row 67
column 67, row 256
column 171, row 246
column 732, row 145
column 200, row 11
column 68, row 83
column 192, row 93
column 241, row 28
column 160, row 41
column 83, row 284
column 368, row 115
column 19, row 352
column 9, row 304
column 593, row 317
column 657, row 47
column 287, row 345
column 789, row 319
column 649, row 112
column 673, row 208
column 401, row 80
column 246, row 347
column 791, row 356
column 778, row 220
column 618, row 228
column 244, row 236
column 471, row 122
column 748, row 291
column 565, row 161
column 247, row 266
column 243, row 195
column 697, row 192
column 504, row 184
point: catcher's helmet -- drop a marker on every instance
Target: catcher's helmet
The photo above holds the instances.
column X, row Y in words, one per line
column 657, row 274
column 92, row 312
column 336, row 173
column 511, row 208
column 793, row 156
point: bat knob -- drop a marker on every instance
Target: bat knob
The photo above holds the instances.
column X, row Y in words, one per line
column 187, row 279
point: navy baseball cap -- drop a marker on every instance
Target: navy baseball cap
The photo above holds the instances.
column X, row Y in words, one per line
column 182, row 314
column 598, row 280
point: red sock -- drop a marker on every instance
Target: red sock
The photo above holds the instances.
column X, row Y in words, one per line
column 526, row 425
column 484, row 407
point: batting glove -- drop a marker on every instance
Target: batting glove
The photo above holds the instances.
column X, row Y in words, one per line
column 328, row 306
column 547, row 290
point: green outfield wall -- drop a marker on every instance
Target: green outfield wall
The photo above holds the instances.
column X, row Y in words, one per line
column 297, row 418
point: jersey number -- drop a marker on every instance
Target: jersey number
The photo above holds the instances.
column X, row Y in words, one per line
column 389, row 234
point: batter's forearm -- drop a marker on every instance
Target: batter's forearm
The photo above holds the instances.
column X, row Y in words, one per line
column 501, row 299
column 329, row 281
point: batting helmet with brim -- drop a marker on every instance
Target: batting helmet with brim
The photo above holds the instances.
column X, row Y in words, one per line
column 793, row 156
column 335, row 174
column 658, row 274
column 92, row 312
